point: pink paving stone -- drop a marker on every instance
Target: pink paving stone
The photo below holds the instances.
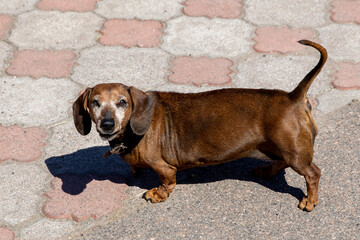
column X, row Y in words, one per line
column 202, row 70
column 345, row 11
column 283, row 40
column 213, row 8
column 98, row 198
column 6, row 234
column 21, row 144
column 348, row 76
column 131, row 33
column 67, row 5
column 35, row 63
column 5, row 25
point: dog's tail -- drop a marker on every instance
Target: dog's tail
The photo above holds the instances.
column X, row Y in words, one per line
column 300, row 91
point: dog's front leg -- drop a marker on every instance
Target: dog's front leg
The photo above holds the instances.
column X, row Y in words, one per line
column 167, row 176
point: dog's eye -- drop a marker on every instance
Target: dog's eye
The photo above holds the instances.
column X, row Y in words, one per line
column 121, row 103
column 96, row 103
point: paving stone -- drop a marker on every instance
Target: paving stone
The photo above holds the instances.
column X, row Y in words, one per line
column 340, row 40
column 280, row 72
column 290, row 13
column 55, row 30
column 16, row 6
column 140, row 67
column 283, row 40
column 6, row 234
column 213, row 8
column 67, row 5
column 213, row 37
column 43, row 63
column 21, row 144
column 5, row 25
column 100, row 197
column 200, row 71
column 336, row 99
column 5, row 51
column 345, row 11
column 348, row 76
column 21, row 187
column 69, row 152
column 35, row 102
column 188, row 88
column 47, row 229
column 140, row 9
column 131, row 33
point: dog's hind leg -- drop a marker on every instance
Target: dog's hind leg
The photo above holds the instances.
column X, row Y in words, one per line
column 312, row 177
column 301, row 162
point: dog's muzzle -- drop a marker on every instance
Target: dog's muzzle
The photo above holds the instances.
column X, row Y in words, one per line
column 107, row 127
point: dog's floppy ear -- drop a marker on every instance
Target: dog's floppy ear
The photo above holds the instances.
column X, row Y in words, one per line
column 142, row 111
column 81, row 115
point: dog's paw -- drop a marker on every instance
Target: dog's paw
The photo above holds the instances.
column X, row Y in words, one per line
column 306, row 205
column 155, row 196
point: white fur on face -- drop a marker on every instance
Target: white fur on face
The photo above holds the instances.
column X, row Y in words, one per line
column 97, row 111
column 117, row 112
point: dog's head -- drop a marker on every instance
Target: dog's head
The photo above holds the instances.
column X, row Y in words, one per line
column 112, row 107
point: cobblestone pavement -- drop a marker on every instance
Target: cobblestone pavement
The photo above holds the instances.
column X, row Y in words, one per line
column 54, row 183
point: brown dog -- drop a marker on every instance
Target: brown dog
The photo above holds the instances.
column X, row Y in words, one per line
column 169, row 131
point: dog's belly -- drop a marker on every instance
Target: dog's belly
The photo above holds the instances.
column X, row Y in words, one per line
column 216, row 144
column 213, row 160
column 210, row 153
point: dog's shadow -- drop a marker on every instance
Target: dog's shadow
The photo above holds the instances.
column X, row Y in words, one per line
column 79, row 168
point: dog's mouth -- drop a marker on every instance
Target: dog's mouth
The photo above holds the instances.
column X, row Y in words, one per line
column 108, row 137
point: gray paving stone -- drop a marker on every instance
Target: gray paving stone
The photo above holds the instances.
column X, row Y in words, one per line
column 283, row 72
column 341, row 40
column 5, row 50
column 296, row 13
column 35, row 102
column 16, row 6
column 47, row 229
column 188, row 88
column 52, row 29
column 140, row 67
column 202, row 36
column 21, row 188
column 336, row 99
column 140, row 9
column 65, row 139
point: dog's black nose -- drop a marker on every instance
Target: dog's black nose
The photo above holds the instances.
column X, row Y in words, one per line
column 108, row 123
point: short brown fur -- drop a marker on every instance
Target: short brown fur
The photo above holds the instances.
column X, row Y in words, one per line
column 169, row 131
